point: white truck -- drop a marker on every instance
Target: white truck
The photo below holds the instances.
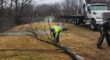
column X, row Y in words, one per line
column 90, row 13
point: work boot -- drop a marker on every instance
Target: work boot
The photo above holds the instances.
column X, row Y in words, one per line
column 100, row 47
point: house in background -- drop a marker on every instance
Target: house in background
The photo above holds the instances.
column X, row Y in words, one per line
column 49, row 18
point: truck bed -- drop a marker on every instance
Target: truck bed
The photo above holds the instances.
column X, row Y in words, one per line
column 71, row 17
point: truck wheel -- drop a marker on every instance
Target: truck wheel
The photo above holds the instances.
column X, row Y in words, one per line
column 93, row 25
column 77, row 22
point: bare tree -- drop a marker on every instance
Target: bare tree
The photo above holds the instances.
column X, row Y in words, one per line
column 19, row 6
column 2, row 7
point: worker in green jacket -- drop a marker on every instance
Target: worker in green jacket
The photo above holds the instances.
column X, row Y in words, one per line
column 55, row 32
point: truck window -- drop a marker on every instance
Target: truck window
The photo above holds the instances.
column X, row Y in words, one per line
column 98, row 7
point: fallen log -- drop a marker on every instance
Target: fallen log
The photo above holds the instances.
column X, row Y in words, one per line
column 72, row 54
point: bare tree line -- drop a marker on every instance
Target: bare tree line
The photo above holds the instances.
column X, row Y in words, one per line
column 18, row 9
column 15, row 9
column 47, row 10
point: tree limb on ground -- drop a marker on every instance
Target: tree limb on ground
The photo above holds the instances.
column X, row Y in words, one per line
column 72, row 54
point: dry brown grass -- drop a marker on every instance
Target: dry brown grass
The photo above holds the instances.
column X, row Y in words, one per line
column 33, row 26
column 27, row 48
column 79, row 38
column 83, row 41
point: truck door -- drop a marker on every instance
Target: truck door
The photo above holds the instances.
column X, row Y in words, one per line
column 88, row 12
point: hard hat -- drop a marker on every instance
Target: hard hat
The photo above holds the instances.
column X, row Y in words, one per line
column 59, row 23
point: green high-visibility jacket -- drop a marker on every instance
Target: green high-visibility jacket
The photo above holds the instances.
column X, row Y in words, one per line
column 57, row 29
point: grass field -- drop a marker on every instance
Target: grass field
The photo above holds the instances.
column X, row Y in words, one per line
column 33, row 26
column 78, row 38
column 82, row 40
column 27, row 48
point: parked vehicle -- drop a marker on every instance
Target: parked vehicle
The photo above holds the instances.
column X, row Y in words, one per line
column 92, row 13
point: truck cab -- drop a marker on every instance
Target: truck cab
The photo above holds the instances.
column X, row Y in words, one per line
column 94, row 13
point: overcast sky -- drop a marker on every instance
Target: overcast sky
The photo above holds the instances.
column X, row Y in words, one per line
column 47, row 1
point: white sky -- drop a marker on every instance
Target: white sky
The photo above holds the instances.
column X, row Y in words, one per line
column 47, row 1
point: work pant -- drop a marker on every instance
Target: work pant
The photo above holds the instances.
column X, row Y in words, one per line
column 103, row 33
column 56, row 37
